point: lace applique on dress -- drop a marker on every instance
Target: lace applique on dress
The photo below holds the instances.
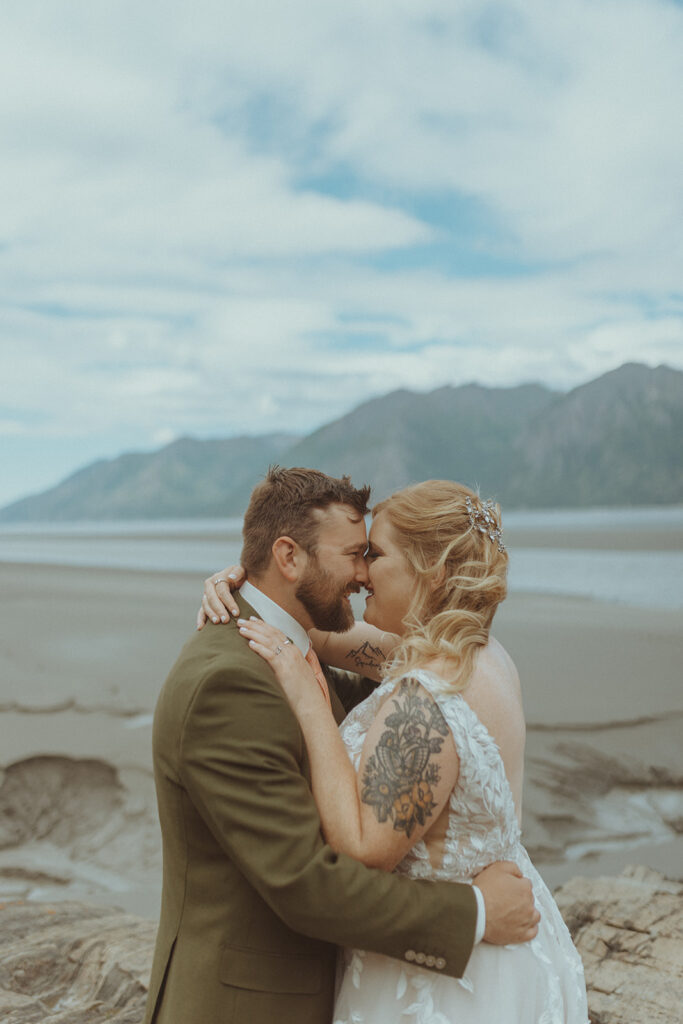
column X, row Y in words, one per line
column 540, row 982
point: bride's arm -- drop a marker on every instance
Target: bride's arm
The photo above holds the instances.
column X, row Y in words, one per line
column 363, row 649
column 408, row 766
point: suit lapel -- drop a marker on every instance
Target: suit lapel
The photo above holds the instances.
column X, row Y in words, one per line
column 338, row 709
column 246, row 611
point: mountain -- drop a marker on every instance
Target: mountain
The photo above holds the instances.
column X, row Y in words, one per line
column 455, row 433
column 613, row 441
column 186, row 478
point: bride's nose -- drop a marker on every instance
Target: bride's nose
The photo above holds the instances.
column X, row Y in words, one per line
column 361, row 574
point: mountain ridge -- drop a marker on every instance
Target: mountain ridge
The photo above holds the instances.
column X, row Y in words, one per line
column 615, row 440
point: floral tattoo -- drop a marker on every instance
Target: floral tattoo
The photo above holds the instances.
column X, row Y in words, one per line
column 398, row 777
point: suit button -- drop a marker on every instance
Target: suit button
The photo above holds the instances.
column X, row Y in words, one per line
column 420, row 958
column 440, row 963
column 410, row 954
column 430, row 961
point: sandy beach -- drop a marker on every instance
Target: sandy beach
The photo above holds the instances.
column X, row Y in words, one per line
column 83, row 653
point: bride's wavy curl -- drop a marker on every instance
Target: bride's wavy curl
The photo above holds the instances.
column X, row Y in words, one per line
column 460, row 576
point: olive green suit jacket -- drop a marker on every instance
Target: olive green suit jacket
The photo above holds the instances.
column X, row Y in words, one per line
column 254, row 902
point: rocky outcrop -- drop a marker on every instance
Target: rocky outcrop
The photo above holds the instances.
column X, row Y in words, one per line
column 602, row 785
column 70, row 963
column 79, row 829
column 629, row 932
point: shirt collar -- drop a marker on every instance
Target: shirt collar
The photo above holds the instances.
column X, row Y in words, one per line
column 276, row 616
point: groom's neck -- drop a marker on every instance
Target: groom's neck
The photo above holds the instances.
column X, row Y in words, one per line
column 283, row 593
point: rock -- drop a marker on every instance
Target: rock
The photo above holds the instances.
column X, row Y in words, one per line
column 79, row 829
column 72, row 963
column 629, row 932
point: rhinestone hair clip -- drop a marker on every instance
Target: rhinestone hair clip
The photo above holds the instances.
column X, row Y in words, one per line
column 483, row 518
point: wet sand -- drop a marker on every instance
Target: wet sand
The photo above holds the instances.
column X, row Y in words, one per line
column 83, row 653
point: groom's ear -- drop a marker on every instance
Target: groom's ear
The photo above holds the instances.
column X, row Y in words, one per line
column 289, row 558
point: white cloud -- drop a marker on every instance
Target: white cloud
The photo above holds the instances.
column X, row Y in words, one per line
column 163, row 270
column 163, row 436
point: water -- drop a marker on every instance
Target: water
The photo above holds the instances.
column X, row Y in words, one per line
column 166, row 545
column 644, row 519
column 640, row 578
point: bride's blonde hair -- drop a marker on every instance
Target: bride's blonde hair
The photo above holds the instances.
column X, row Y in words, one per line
column 460, row 568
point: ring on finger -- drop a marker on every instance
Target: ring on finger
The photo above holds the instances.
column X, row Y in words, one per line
column 278, row 649
column 219, row 580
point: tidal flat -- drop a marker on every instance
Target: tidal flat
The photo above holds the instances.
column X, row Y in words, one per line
column 84, row 651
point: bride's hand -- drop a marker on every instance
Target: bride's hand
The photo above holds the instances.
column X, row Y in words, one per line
column 291, row 669
column 218, row 604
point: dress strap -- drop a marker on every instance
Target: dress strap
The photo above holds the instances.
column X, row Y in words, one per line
column 482, row 772
column 472, row 738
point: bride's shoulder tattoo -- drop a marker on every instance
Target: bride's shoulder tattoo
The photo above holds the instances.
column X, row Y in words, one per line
column 367, row 656
column 398, row 777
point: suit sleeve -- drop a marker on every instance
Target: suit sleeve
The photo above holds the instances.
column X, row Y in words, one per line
column 350, row 687
column 241, row 751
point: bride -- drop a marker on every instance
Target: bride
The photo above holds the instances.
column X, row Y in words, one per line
column 425, row 776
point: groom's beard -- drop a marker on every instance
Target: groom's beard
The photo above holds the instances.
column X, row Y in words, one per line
column 325, row 601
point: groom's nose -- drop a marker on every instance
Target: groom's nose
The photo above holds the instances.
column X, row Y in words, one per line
column 361, row 573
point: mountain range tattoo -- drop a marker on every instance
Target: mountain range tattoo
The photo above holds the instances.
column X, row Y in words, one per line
column 398, row 777
column 367, row 656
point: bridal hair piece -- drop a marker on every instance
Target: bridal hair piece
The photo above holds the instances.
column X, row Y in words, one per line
column 460, row 575
column 483, row 518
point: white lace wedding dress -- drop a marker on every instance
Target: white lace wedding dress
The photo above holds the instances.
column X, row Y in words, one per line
column 539, row 982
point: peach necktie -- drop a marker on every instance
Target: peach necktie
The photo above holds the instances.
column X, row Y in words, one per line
column 312, row 659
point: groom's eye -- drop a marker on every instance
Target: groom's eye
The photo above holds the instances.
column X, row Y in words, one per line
column 356, row 553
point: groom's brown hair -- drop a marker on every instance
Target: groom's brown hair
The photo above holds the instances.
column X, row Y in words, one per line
column 284, row 505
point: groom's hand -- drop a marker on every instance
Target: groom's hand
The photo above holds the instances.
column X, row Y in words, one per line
column 511, row 915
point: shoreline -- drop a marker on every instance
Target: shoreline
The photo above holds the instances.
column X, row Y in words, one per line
column 84, row 651
column 616, row 538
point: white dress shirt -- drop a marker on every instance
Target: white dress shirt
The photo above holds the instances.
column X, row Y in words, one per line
column 276, row 616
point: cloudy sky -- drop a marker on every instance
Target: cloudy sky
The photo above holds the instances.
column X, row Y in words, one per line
column 240, row 216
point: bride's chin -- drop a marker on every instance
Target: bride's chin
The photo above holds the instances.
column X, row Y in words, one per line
column 368, row 616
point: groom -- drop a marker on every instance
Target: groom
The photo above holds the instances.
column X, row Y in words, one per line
column 254, row 903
